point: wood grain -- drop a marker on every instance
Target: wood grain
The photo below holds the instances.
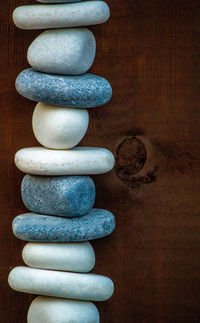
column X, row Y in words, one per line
column 149, row 51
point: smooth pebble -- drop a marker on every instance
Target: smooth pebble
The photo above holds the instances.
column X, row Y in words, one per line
column 58, row 310
column 61, row 15
column 63, row 51
column 83, row 91
column 47, row 228
column 77, row 161
column 77, row 257
column 89, row 287
column 67, row 196
column 57, row 127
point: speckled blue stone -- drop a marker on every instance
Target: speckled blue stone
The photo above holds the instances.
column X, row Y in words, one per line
column 83, row 91
column 44, row 228
column 66, row 196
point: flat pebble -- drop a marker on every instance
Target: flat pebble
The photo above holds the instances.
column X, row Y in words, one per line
column 89, row 287
column 83, row 91
column 58, row 127
column 63, row 51
column 77, row 161
column 61, row 15
column 77, row 257
column 67, row 196
column 58, row 310
column 46, row 228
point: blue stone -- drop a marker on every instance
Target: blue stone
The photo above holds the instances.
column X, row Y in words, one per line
column 66, row 196
column 44, row 228
column 83, row 91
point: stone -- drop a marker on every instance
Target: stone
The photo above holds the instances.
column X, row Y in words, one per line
column 47, row 228
column 57, row 127
column 89, row 287
column 63, row 51
column 77, row 257
column 66, row 196
column 83, row 91
column 61, row 15
column 58, row 310
column 77, row 161
column 57, row 1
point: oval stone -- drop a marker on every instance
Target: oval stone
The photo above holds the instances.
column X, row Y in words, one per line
column 67, row 196
column 61, row 15
column 83, row 91
column 58, row 127
column 43, row 228
column 77, row 257
column 89, row 287
column 77, row 161
column 63, row 51
column 50, row 310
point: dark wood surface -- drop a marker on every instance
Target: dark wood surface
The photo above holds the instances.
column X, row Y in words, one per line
column 149, row 51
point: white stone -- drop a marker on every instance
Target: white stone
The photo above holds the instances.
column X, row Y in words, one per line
column 57, row 127
column 77, row 257
column 77, row 161
column 63, row 51
column 89, row 287
column 58, row 310
column 61, row 15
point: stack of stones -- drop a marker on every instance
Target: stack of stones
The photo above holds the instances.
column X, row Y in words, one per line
column 56, row 188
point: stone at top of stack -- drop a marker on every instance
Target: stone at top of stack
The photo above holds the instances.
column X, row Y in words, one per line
column 61, row 15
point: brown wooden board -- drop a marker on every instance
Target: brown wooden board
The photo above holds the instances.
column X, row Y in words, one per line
column 149, row 51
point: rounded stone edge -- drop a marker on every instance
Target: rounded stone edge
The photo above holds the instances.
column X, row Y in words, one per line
column 14, row 229
column 106, row 10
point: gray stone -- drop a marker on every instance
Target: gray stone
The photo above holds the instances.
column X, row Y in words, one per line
column 44, row 228
column 61, row 15
column 63, row 51
column 84, row 91
column 66, row 196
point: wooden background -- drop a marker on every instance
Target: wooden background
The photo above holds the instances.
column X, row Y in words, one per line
column 149, row 51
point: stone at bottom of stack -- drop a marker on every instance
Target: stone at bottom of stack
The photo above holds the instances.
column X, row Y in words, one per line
column 59, row 310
